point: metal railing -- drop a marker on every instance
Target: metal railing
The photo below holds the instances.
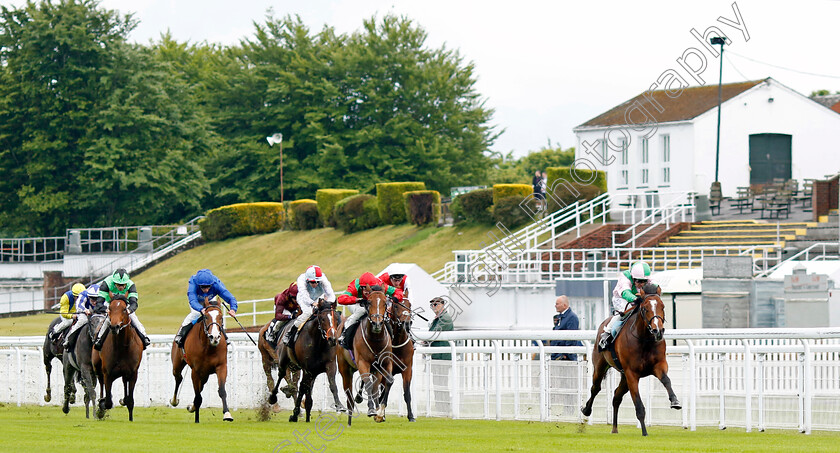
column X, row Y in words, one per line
column 682, row 208
column 21, row 250
column 815, row 252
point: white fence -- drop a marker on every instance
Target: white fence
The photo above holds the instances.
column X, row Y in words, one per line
column 748, row 378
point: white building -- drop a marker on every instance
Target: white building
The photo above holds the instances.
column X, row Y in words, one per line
column 665, row 140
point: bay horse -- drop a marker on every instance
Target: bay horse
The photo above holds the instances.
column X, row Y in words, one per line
column 270, row 360
column 373, row 358
column 54, row 350
column 314, row 352
column 80, row 360
column 120, row 357
column 205, row 351
column 641, row 353
column 399, row 318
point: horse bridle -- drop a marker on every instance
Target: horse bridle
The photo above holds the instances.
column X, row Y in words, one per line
column 325, row 334
column 649, row 321
column 208, row 326
column 120, row 326
column 397, row 323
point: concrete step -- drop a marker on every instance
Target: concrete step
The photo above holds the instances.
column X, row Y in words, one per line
column 720, row 244
column 752, row 225
column 744, row 231
column 731, row 238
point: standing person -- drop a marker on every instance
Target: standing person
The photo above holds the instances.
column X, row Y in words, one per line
column 285, row 309
column 565, row 319
column 543, row 187
column 200, row 286
column 440, row 372
column 627, row 292
column 119, row 284
column 317, row 286
column 68, row 310
column 536, row 183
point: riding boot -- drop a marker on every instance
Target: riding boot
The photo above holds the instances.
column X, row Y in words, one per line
column 269, row 332
column 146, row 340
column 289, row 338
column 100, row 338
column 606, row 338
column 181, row 336
column 69, row 342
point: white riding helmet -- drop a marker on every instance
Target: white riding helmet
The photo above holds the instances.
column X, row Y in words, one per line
column 640, row 271
column 314, row 274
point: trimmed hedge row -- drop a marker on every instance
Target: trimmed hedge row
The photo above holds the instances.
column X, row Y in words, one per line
column 304, row 214
column 242, row 219
column 422, row 206
column 563, row 190
column 474, row 206
column 501, row 191
column 327, row 198
column 510, row 213
column 390, row 198
column 357, row 213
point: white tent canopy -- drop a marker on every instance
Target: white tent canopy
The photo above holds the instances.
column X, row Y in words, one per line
column 421, row 286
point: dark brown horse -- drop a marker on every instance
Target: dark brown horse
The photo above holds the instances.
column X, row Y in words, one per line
column 270, row 360
column 314, row 353
column 399, row 318
column 374, row 359
column 640, row 351
column 78, row 360
column 119, row 358
column 54, row 350
column 205, row 351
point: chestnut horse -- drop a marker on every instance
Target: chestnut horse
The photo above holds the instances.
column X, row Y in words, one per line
column 373, row 358
column 314, row 353
column 270, row 360
column 399, row 318
column 119, row 358
column 640, row 351
column 205, row 351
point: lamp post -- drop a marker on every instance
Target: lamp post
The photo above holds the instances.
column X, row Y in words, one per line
column 718, row 40
column 278, row 138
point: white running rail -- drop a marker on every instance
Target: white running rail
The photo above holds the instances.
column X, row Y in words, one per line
column 815, row 252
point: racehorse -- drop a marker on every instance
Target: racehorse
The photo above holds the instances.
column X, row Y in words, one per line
column 270, row 360
column 205, row 351
column 399, row 318
column 373, row 359
column 640, row 351
column 54, row 350
column 314, row 353
column 79, row 360
column 119, row 358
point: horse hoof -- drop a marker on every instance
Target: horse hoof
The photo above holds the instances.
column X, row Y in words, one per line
column 586, row 411
column 676, row 405
column 72, row 398
column 359, row 398
column 371, row 413
column 272, row 399
column 275, row 408
column 190, row 408
column 379, row 419
column 47, row 397
column 227, row 417
column 339, row 409
column 65, row 409
column 293, row 419
column 411, row 419
column 122, row 402
column 174, row 402
column 100, row 414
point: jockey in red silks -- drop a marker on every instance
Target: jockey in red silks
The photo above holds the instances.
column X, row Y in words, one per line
column 357, row 292
column 399, row 281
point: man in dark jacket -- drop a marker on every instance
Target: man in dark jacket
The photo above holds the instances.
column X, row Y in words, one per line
column 565, row 319
column 441, row 323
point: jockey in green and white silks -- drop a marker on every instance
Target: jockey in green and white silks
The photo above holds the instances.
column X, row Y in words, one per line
column 120, row 284
column 627, row 291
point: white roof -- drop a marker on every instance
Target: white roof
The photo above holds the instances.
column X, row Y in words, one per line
column 422, row 287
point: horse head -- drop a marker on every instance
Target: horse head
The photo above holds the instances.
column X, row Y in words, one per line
column 212, row 321
column 653, row 311
column 327, row 320
column 378, row 308
column 400, row 314
column 118, row 313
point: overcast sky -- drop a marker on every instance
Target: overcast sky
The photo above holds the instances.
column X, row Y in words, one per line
column 548, row 66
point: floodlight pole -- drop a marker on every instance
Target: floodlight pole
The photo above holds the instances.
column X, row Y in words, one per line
column 281, row 170
column 721, row 41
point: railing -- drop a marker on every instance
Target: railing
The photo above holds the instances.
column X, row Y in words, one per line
column 748, row 378
column 243, row 316
column 815, row 252
column 21, row 250
column 682, row 208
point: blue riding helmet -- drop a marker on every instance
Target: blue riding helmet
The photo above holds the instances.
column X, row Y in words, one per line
column 204, row 278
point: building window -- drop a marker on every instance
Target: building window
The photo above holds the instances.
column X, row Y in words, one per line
column 666, row 160
column 624, row 158
column 644, row 158
column 625, row 178
column 645, row 155
column 604, row 149
column 644, row 180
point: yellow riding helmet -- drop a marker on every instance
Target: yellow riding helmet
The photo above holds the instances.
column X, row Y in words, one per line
column 78, row 288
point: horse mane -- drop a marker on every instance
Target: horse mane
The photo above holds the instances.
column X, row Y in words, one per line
column 651, row 289
column 376, row 288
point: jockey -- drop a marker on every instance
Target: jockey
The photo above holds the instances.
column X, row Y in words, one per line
column 398, row 281
column 202, row 285
column 120, row 284
column 89, row 302
column 627, row 291
column 357, row 293
column 317, row 287
column 285, row 308
column 68, row 309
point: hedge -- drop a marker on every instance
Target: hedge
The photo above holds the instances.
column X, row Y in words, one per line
column 511, row 190
column 510, row 213
column 357, row 213
column 390, row 198
column 242, row 219
column 422, row 206
column 304, row 214
column 560, row 186
column 327, row 198
column 474, row 206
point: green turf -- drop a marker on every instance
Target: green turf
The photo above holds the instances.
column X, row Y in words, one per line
column 32, row 428
column 257, row 267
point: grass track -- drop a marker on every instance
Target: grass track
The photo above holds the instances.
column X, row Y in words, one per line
column 34, row 428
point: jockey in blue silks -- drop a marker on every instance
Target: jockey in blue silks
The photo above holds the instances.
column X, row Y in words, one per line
column 201, row 285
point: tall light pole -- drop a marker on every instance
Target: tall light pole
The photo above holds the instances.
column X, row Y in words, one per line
column 721, row 41
column 278, row 138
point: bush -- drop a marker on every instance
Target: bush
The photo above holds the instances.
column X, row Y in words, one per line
column 501, row 191
column 357, row 213
column 304, row 214
column 560, row 184
column 474, row 206
column 390, row 198
column 242, row 219
column 422, row 206
column 327, row 198
column 509, row 212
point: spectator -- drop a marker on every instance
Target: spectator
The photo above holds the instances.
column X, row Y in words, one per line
column 543, row 185
column 441, row 323
column 539, row 192
column 441, row 371
column 565, row 319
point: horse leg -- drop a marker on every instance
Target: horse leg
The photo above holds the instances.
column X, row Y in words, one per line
column 221, row 376
column 178, row 364
column 600, row 366
column 633, row 385
column 347, row 384
column 406, row 377
column 333, row 387
column 302, row 391
column 281, row 369
column 198, row 386
column 618, row 396
column 661, row 373
column 48, row 365
column 129, row 394
column 105, row 402
column 90, row 387
column 68, row 384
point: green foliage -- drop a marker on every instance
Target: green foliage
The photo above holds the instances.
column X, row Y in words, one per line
column 501, row 191
column 474, row 206
column 391, row 202
column 242, row 219
column 510, row 213
column 304, row 214
column 506, row 169
column 422, row 206
column 357, row 213
column 327, row 198
column 562, row 190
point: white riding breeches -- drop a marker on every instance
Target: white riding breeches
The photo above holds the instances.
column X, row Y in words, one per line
column 65, row 322
column 191, row 317
column 81, row 320
column 137, row 325
column 305, row 313
column 355, row 317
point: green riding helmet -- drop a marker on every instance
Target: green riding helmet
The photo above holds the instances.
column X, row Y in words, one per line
column 640, row 271
column 120, row 277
